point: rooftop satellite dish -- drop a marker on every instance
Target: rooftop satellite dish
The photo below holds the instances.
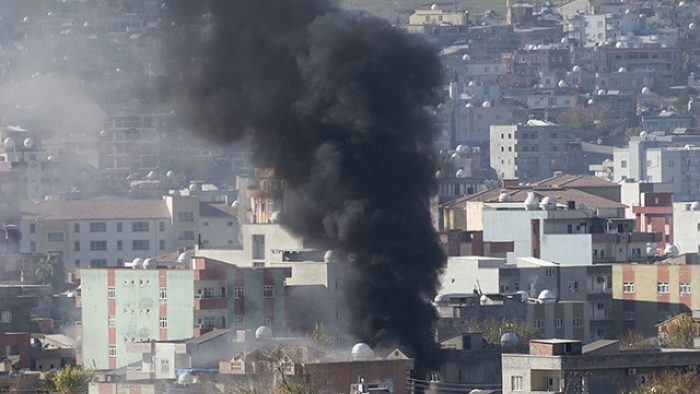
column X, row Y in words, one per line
column 434, row 7
column 9, row 142
column 28, row 143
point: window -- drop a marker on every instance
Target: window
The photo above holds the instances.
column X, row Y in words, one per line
column 268, row 291
column 205, row 224
column 258, row 247
column 161, row 226
column 573, row 287
column 239, row 321
column 163, row 322
column 516, row 383
column 628, row 287
column 120, row 227
column 32, row 246
column 76, row 246
column 662, row 287
column 98, row 227
column 112, row 351
column 685, row 288
column 139, row 227
column 54, row 237
column 185, row 216
column 623, row 164
column 97, row 246
column 140, row 244
column 578, row 322
column 185, row 235
column 163, row 293
column 76, row 227
column 558, row 324
column 229, row 224
column 238, row 292
column 6, row 316
column 208, row 292
column 164, row 365
column 32, row 228
column 111, row 322
column 628, row 315
column 120, row 245
column 111, row 292
column 161, row 244
column 267, row 320
column 98, row 263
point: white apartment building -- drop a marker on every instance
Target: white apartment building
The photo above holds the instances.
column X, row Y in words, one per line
column 686, row 226
column 532, row 150
column 110, row 231
column 602, row 27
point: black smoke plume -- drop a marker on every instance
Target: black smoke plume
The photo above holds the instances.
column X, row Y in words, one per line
column 338, row 105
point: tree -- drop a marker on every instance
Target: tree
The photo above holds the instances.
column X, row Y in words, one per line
column 51, row 271
column 670, row 382
column 69, row 380
column 680, row 332
column 635, row 340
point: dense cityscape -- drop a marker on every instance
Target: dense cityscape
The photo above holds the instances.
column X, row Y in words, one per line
column 312, row 197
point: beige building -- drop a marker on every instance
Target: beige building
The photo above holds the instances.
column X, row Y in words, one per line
column 437, row 17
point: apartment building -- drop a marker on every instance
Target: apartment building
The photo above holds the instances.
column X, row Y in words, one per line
column 532, row 150
column 686, row 227
column 591, row 28
column 651, row 204
column 527, row 278
column 667, row 122
column 557, row 365
column 648, row 294
column 173, row 301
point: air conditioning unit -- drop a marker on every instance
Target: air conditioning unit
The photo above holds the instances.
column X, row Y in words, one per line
column 600, row 279
column 632, row 371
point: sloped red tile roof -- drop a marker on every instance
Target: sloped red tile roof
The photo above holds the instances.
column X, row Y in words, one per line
column 99, row 208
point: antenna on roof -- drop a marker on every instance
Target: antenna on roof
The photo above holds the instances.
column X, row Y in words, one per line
column 478, row 286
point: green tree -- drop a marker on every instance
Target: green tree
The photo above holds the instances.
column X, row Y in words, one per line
column 51, row 271
column 670, row 383
column 680, row 332
column 69, row 380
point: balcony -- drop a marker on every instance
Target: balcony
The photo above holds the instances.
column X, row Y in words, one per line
column 201, row 303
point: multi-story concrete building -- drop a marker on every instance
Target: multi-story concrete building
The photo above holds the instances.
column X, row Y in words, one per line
column 529, row 277
column 178, row 300
column 527, row 63
column 648, row 294
column 109, row 231
column 533, row 150
column 686, row 227
column 651, row 204
column 660, row 157
column 591, row 28
column 558, row 365
column 667, row 122
column 540, row 221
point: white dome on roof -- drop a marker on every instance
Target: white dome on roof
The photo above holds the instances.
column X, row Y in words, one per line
column 509, row 339
column 332, row 256
column 183, row 258
column 276, row 217
column 434, row 7
column 692, row 26
column 28, row 143
column 186, row 378
column 170, row 174
column 646, row 90
column 505, row 197
column 547, row 296
column 530, row 202
column 548, row 203
column 455, row 155
column 137, row 262
column 263, row 333
column 361, row 351
column 562, row 84
column 484, row 300
column 149, row 263
column 695, row 206
column 486, row 104
column 576, row 68
column 671, row 250
column 601, row 92
column 462, row 149
column 643, row 134
column 471, row 83
column 9, row 142
column 565, row 40
column 469, row 105
column 462, row 173
column 622, row 70
column 591, row 101
column 466, row 57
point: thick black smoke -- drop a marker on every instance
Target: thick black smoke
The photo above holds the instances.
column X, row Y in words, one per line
column 338, row 106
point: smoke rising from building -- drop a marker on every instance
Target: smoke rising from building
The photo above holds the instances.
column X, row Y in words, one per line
column 338, row 106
